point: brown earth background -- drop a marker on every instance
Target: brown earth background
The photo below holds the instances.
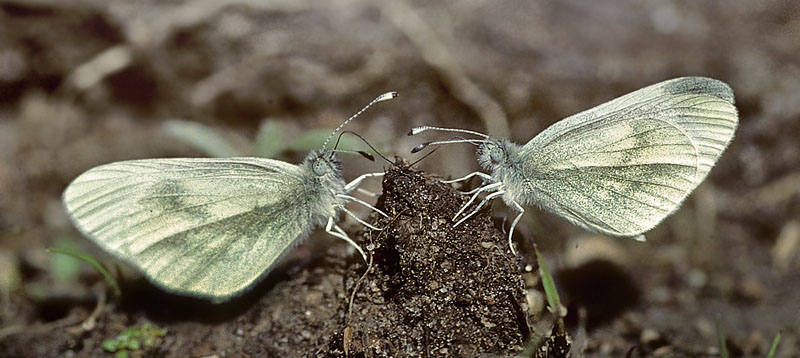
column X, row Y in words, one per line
column 88, row 82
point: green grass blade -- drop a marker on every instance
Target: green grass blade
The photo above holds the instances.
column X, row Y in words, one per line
column 200, row 137
column 723, row 348
column 64, row 268
column 774, row 347
column 91, row 261
column 549, row 285
column 270, row 141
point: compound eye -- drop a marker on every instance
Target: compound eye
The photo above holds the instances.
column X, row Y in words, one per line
column 319, row 167
column 497, row 154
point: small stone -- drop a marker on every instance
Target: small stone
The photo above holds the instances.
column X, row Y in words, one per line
column 531, row 279
column 751, row 290
column 649, row 336
column 665, row 351
column 535, row 301
column 704, row 328
column 697, row 278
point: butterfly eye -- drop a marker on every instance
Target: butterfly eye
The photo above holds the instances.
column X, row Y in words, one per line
column 497, row 154
column 319, row 167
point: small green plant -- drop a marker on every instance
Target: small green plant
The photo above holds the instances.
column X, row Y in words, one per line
column 774, row 347
column 549, row 286
column 723, row 347
column 80, row 255
column 557, row 343
column 133, row 339
column 270, row 141
column 65, row 268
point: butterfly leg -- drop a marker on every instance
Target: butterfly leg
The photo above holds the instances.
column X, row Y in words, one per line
column 360, row 221
column 488, row 187
column 367, row 192
column 469, row 176
column 480, row 205
column 357, row 181
column 335, row 230
column 519, row 208
column 473, row 191
column 362, row 202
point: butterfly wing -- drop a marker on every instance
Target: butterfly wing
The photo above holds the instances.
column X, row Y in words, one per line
column 622, row 167
column 201, row 227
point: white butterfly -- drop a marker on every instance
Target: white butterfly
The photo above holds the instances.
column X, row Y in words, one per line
column 619, row 168
column 211, row 227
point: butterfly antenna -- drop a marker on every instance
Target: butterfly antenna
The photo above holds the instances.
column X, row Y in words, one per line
column 362, row 153
column 424, row 156
column 420, row 129
column 363, row 140
column 452, row 140
column 383, row 97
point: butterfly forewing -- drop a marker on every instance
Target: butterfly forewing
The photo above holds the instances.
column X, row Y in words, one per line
column 622, row 167
column 205, row 227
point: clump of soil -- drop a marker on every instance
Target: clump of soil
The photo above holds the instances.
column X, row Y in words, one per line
column 432, row 289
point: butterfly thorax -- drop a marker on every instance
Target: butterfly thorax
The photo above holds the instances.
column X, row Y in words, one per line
column 324, row 182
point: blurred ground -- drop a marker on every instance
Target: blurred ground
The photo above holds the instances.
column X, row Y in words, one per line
column 89, row 82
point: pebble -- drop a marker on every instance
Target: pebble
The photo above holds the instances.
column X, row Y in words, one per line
column 649, row 336
column 535, row 301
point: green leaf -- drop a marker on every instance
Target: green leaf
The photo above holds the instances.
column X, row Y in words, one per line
column 134, row 344
column 270, row 141
column 111, row 345
column 549, row 285
column 65, row 268
column 10, row 273
column 134, row 338
column 200, row 137
column 80, row 255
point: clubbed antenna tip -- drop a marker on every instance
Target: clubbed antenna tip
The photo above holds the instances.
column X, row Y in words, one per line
column 420, row 147
column 385, row 96
column 417, row 130
column 366, row 155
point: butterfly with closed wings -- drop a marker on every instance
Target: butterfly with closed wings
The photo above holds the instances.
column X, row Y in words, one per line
column 617, row 169
column 211, row 228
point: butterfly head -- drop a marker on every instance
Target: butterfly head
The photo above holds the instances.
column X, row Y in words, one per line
column 497, row 154
column 323, row 164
